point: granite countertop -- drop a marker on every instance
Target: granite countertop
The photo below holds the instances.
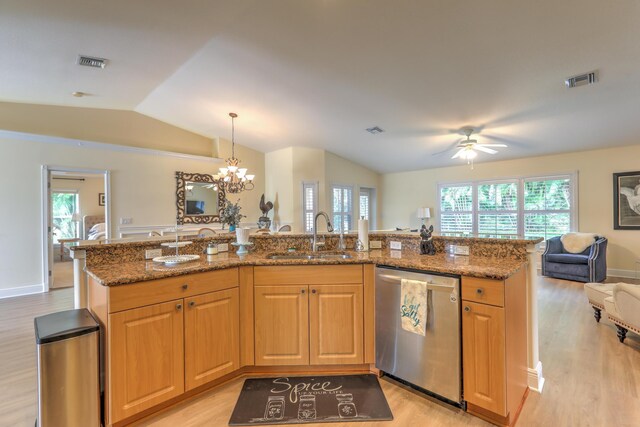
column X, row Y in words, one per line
column 476, row 266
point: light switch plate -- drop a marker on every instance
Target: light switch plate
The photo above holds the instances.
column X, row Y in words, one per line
column 375, row 244
column 152, row 253
column 126, row 221
column 462, row 250
column 395, row 245
column 223, row 247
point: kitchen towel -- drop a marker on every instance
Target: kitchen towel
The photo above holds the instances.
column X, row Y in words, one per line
column 363, row 233
column 413, row 306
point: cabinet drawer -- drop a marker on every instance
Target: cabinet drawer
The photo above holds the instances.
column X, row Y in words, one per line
column 308, row 275
column 124, row 297
column 484, row 291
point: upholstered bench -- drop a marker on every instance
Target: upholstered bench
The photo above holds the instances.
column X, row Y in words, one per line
column 623, row 308
column 596, row 293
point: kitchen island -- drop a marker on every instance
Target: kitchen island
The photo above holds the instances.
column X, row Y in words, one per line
column 173, row 332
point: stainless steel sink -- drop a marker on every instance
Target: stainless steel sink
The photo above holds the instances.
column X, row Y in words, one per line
column 294, row 256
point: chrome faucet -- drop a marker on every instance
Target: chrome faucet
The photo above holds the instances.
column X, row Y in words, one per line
column 316, row 244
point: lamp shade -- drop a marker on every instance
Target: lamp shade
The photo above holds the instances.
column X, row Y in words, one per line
column 423, row 213
column 76, row 217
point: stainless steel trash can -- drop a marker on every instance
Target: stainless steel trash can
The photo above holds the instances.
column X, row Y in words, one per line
column 68, row 369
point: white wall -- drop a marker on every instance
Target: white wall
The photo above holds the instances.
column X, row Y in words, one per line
column 288, row 168
column 142, row 188
column 404, row 192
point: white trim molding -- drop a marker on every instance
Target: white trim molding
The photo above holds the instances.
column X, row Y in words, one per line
column 535, row 378
column 21, row 290
column 47, row 139
column 615, row 272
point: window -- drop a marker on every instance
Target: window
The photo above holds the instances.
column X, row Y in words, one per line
column 520, row 207
column 456, row 209
column 366, row 204
column 309, row 204
column 342, row 207
column 64, row 204
column 547, row 207
column 498, row 209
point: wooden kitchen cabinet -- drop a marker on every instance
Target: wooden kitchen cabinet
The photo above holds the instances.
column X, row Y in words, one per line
column 494, row 347
column 336, row 324
column 483, row 361
column 211, row 341
column 147, row 357
column 281, row 325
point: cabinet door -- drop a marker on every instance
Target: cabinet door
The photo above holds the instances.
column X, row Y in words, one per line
column 211, row 342
column 281, row 325
column 483, row 349
column 336, row 324
column 147, row 357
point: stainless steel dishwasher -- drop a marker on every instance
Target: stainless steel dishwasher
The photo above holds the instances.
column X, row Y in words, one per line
column 431, row 362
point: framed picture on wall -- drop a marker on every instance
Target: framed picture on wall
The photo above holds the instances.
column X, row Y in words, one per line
column 626, row 201
column 100, row 199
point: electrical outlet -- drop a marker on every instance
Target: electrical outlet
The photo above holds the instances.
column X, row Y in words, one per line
column 462, row 250
column 223, row 247
column 126, row 221
column 152, row 253
column 375, row 244
column 395, row 245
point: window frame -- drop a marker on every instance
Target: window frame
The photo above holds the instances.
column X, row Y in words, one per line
column 521, row 212
column 315, row 186
column 342, row 213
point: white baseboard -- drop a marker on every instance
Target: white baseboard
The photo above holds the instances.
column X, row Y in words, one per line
column 20, row 291
column 535, row 378
column 615, row 272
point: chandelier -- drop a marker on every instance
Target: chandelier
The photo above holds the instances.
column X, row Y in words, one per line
column 232, row 178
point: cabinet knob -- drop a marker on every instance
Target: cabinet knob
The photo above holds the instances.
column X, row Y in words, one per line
column 178, row 307
column 479, row 291
column 302, row 291
column 185, row 287
column 467, row 308
column 192, row 303
column 313, row 291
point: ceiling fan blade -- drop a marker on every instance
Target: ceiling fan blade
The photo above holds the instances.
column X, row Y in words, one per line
column 455, row 156
column 451, row 147
column 491, row 145
column 484, row 149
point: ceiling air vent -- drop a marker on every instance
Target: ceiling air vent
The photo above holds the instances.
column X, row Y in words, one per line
column 375, row 130
column 582, row 79
column 89, row 61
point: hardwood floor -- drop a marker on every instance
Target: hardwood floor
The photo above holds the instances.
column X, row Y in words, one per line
column 591, row 378
column 18, row 399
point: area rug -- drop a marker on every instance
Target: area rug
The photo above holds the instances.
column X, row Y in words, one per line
column 321, row 399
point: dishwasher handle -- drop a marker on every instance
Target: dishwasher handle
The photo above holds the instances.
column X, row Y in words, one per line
column 430, row 284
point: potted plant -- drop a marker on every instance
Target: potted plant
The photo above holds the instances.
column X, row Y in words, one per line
column 230, row 214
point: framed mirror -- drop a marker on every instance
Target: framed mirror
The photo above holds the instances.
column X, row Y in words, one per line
column 198, row 198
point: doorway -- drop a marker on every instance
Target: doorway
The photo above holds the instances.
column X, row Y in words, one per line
column 76, row 209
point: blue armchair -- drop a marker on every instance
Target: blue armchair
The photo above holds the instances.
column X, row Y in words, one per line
column 588, row 266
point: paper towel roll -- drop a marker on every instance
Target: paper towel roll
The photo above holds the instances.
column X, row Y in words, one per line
column 363, row 233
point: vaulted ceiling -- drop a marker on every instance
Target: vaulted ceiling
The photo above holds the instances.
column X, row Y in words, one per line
column 317, row 73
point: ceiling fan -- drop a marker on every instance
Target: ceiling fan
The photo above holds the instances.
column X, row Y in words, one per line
column 467, row 147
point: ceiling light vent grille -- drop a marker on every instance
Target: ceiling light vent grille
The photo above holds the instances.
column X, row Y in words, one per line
column 375, row 130
column 582, row 80
column 89, row 61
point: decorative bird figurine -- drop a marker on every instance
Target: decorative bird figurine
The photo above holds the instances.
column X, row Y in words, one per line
column 264, row 222
column 265, row 207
